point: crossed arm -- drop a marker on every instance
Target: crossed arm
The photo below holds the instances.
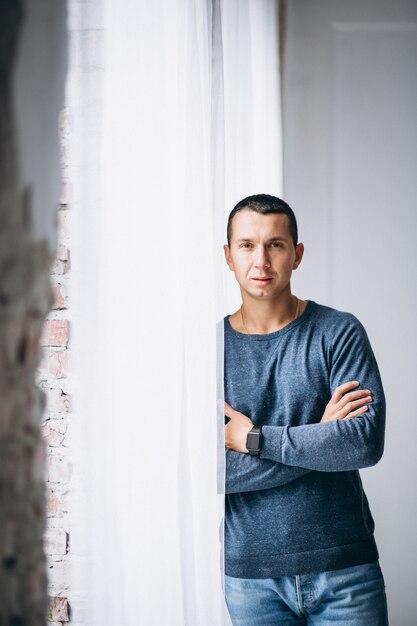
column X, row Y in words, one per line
column 350, row 434
column 247, row 473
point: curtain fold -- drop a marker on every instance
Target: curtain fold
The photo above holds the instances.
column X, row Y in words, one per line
column 169, row 128
column 252, row 109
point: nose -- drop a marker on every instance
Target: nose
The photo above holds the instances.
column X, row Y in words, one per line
column 262, row 259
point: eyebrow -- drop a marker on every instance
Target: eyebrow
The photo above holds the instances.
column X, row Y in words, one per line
column 268, row 240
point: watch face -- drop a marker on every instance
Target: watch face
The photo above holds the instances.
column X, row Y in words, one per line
column 252, row 441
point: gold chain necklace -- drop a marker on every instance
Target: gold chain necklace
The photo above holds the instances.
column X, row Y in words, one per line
column 297, row 312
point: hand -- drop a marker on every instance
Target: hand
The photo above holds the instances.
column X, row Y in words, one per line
column 345, row 404
column 236, row 431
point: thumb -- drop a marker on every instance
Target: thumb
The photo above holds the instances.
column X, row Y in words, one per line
column 229, row 410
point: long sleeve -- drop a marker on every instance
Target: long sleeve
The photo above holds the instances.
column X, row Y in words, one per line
column 300, row 507
column 339, row 445
column 248, row 473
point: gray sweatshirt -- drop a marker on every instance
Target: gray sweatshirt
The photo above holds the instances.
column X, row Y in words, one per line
column 300, row 507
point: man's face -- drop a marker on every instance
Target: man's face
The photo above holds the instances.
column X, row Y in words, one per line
column 262, row 247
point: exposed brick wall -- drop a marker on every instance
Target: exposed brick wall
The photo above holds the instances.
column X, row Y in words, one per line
column 25, row 297
column 33, row 62
column 52, row 377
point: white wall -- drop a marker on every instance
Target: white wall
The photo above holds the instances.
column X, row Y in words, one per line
column 350, row 154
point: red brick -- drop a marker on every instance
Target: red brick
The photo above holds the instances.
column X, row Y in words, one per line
column 54, row 435
column 60, row 297
column 61, row 262
column 58, row 609
column 53, row 502
column 54, row 363
column 57, row 401
column 55, row 333
column 56, row 502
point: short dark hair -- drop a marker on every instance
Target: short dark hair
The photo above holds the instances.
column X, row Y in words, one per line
column 263, row 203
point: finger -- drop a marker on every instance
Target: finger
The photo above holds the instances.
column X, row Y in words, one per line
column 352, row 406
column 229, row 410
column 356, row 413
column 342, row 389
column 360, row 393
column 354, row 396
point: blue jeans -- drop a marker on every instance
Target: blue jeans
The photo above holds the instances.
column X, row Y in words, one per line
column 352, row 596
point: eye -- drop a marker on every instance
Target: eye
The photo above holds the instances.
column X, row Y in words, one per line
column 246, row 244
column 277, row 244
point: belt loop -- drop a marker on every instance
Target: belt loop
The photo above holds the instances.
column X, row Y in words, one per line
column 299, row 594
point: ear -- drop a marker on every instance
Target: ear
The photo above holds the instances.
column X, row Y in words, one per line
column 228, row 256
column 299, row 252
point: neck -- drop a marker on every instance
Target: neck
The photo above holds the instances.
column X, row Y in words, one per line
column 266, row 316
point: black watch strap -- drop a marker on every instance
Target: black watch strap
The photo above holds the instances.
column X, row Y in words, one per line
column 254, row 440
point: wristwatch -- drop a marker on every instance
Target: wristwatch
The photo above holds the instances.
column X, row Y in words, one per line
column 254, row 440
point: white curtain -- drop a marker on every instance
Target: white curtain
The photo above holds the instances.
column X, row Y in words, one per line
column 175, row 116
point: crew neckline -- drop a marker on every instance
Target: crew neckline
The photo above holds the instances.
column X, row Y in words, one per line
column 262, row 337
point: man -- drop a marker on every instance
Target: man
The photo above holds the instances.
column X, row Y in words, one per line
column 306, row 409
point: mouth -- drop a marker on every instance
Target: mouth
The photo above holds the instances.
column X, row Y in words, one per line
column 263, row 281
